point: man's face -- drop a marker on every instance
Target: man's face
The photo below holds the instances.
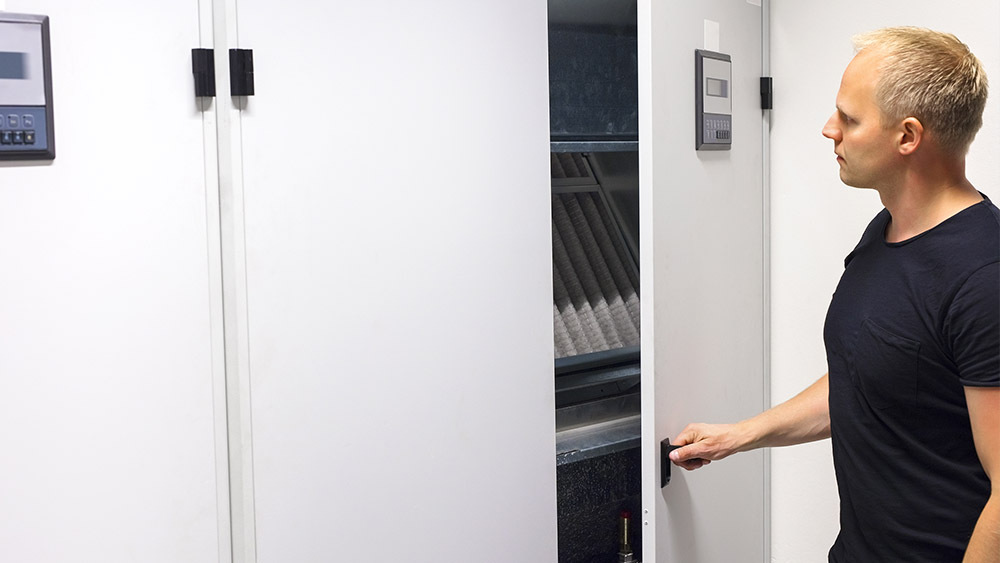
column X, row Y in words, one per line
column 865, row 149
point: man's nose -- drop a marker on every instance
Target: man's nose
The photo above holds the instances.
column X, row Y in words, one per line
column 830, row 130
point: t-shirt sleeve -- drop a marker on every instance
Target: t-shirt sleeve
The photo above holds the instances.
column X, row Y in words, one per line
column 973, row 328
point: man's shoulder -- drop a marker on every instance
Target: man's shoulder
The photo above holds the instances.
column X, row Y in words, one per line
column 967, row 243
column 874, row 232
column 980, row 227
column 992, row 211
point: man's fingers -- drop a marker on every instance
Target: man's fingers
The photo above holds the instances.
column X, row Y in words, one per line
column 683, row 454
column 693, row 464
column 699, row 443
column 687, row 436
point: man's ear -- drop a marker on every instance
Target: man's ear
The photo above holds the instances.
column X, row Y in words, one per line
column 911, row 135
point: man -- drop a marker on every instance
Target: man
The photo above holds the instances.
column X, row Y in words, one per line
column 911, row 400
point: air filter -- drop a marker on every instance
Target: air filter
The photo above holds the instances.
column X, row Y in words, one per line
column 596, row 305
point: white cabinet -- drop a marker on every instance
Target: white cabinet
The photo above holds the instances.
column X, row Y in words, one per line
column 108, row 398
column 315, row 324
column 398, row 282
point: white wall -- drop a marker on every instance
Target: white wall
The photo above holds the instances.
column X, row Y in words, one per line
column 816, row 220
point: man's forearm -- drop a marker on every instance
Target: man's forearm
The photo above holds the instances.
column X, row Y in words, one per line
column 803, row 418
column 984, row 547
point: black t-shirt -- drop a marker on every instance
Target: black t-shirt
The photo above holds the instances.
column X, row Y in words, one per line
column 910, row 325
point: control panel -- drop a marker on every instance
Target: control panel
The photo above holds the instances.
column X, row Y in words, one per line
column 26, row 128
column 713, row 101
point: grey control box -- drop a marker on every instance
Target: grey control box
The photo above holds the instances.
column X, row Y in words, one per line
column 713, row 101
column 26, row 126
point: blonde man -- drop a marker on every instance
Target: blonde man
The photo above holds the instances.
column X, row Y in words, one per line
column 912, row 397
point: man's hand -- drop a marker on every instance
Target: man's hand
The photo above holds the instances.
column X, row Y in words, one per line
column 704, row 443
column 803, row 418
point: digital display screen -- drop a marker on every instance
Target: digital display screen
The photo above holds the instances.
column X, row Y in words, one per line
column 716, row 87
column 13, row 66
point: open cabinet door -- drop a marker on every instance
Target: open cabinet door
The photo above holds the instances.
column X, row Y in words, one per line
column 703, row 278
column 395, row 351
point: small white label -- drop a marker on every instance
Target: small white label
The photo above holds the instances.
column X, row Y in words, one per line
column 711, row 35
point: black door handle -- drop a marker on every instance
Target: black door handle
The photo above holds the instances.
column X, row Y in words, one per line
column 665, row 448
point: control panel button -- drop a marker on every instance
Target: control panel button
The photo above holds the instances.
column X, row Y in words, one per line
column 18, row 137
column 12, row 121
column 6, row 137
column 28, row 121
column 29, row 137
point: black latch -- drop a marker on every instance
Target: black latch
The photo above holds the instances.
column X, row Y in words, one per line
column 766, row 93
column 241, row 72
column 203, row 67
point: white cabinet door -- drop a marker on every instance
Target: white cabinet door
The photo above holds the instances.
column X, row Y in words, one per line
column 398, row 325
column 703, row 267
column 107, row 270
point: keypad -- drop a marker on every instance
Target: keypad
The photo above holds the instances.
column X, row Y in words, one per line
column 22, row 131
column 8, row 137
column 717, row 130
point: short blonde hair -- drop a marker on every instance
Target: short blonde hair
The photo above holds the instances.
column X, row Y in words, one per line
column 931, row 76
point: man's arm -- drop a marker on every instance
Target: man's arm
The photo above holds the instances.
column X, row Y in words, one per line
column 984, row 413
column 803, row 418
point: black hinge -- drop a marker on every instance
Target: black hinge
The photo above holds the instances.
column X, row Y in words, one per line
column 241, row 72
column 203, row 67
column 766, row 93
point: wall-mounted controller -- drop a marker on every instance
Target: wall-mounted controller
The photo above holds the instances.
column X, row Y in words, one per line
column 713, row 101
column 26, row 131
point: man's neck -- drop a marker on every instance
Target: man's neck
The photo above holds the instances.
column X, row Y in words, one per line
column 925, row 198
